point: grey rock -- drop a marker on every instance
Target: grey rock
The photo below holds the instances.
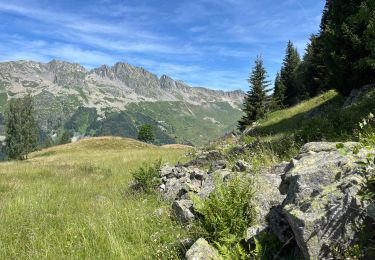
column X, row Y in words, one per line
column 267, row 197
column 166, row 171
column 209, row 185
column 322, row 206
column 172, row 188
column 267, row 194
column 197, row 174
column 218, row 165
column 178, row 181
column 242, row 166
column 201, row 250
column 278, row 224
column 183, row 210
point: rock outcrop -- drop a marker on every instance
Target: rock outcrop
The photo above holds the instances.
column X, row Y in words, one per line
column 312, row 204
column 178, row 183
column 323, row 207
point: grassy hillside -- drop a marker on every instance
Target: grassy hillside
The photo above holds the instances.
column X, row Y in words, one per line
column 323, row 118
column 73, row 202
column 280, row 135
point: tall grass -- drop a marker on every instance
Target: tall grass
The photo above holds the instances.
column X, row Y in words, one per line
column 72, row 202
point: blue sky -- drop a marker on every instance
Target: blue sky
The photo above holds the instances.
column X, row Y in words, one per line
column 210, row 43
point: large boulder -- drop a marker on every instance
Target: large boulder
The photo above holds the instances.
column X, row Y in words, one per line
column 201, row 250
column 323, row 206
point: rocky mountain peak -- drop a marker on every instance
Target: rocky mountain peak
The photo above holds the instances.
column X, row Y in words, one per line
column 104, row 71
column 105, row 87
column 167, row 83
column 58, row 66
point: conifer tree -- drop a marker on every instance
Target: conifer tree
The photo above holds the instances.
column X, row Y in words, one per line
column 146, row 133
column 313, row 72
column 288, row 75
column 255, row 104
column 21, row 128
column 278, row 94
column 348, row 37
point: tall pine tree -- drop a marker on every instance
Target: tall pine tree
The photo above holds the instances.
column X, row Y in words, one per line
column 21, row 128
column 255, row 105
column 348, row 37
column 312, row 73
column 288, row 75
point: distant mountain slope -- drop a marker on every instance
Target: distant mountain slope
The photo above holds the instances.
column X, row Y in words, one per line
column 117, row 100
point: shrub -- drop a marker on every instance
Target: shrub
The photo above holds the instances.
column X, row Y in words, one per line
column 228, row 212
column 147, row 177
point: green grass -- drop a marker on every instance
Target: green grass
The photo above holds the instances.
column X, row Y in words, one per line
column 73, row 202
column 322, row 118
column 285, row 120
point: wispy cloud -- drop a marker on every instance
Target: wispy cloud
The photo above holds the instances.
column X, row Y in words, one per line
column 203, row 42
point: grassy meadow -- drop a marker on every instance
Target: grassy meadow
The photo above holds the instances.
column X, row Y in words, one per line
column 73, row 202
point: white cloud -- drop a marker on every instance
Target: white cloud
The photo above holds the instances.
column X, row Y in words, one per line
column 203, row 42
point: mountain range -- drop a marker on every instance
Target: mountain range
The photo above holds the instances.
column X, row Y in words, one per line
column 117, row 100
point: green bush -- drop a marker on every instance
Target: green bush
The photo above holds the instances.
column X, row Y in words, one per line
column 146, row 178
column 228, row 212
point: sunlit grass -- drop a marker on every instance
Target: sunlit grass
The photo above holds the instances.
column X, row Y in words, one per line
column 285, row 114
column 73, row 202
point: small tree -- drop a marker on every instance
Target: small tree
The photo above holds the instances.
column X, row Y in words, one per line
column 21, row 128
column 255, row 105
column 146, row 133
